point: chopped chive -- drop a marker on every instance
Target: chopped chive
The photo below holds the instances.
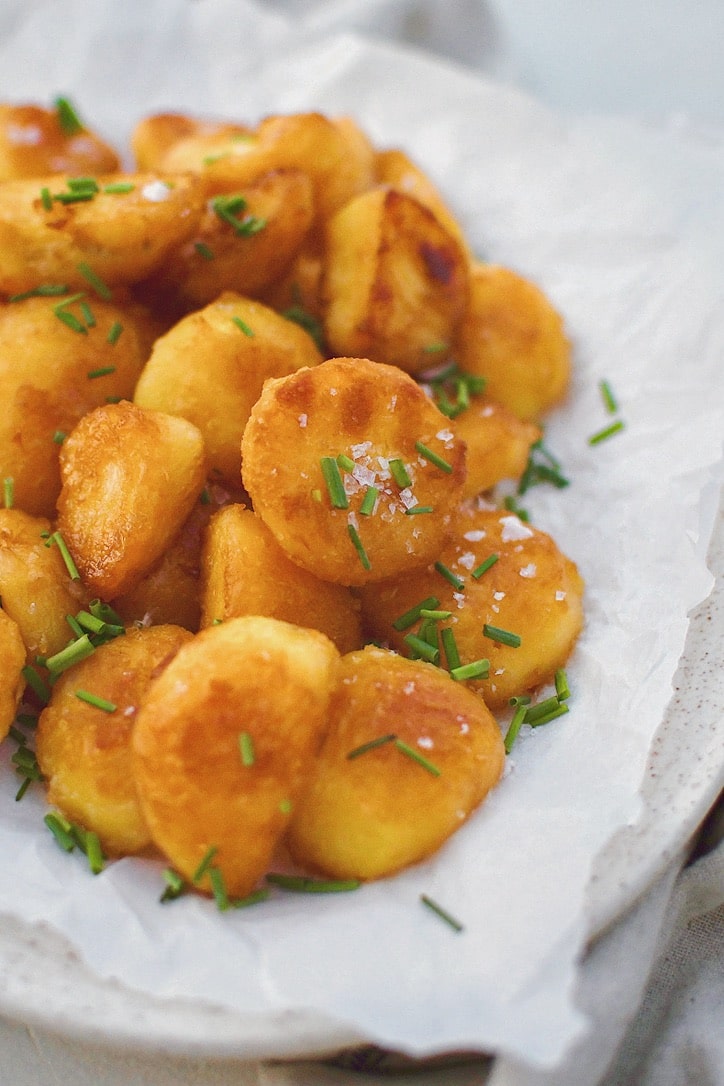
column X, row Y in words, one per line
column 606, row 432
column 560, row 709
column 415, row 509
column 218, row 889
column 46, row 198
column 399, row 473
column 519, row 699
column 476, row 669
column 94, row 852
column 27, row 781
column 305, row 885
column 243, row 326
column 174, row 885
column 450, row 647
column 102, row 610
column 563, row 691
column 457, row 582
column 433, row 457
column 61, row 830
column 101, row 288
column 540, row 709
column 608, row 397
column 346, row 462
column 369, row 501
column 75, row 626
column 70, row 565
column 83, row 184
column 102, row 371
column 485, row 566
column 227, row 207
column 45, row 290
column 114, row 333
column 36, row 683
column 71, row 321
column 503, row 637
column 285, row 806
column 435, row 348
column 316, row 494
column 333, row 481
column 119, row 187
column 25, row 760
column 434, row 615
column 205, row 863
column 246, row 749
column 96, row 701
column 415, row 755
column 422, row 648
column 251, row 899
column 72, row 654
column 428, row 632
column 512, row 506
column 371, row 745
column 514, row 727
column 203, row 250
column 358, row 546
column 442, row 913
column 409, row 618
column 70, row 197
column 88, row 317
column 9, row 492
column 68, row 118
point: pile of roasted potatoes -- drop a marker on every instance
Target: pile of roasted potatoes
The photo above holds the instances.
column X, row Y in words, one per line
column 260, row 599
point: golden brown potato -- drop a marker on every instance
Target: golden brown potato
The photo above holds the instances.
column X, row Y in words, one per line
column 224, row 740
column 245, row 572
column 297, row 294
column 35, row 142
column 395, row 168
column 120, row 237
column 210, row 368
column 398, row 455
column 36, row 589
column 367, row 812
column 130, row 478
column 51, row 375
column 12, row 662
column 84, row 751
column 514, row 338
column 532, row 591
column 498, row 444
column 395, row 283
column 152, row 136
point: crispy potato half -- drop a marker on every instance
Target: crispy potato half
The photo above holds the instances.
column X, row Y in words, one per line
column 130, row 478
column 498, row 444
column 12, row 662
column 245, row 572
column 35, row 141
column 409, row 754
column 395, row 284
column 211, row 366
column 153, row 136
column 353, row 469
column 513, row 337
column 530, row 591
column 84, row 749
column 224, row 741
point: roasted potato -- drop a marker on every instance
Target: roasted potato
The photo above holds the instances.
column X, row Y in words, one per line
column 395, row 281
column 153, row 136
column 51, row 375
column 130, row 478
column 367, row 811
column 12, row 662
column 35, row 141
column 245, row 572
column 513, row 337
column 395, row 168
column 84, row 750
column 498, row 444
column 398, row 454
column 223, row 742
column 532, row 592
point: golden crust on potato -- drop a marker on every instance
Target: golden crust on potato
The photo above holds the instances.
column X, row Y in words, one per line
column 380, row 420
column 245, row 572
column 224, row 741
column 498, row 444
column 532, row 591
column 130, row 478
column 34, row 142
column 12, row 662
column 84, row 751
column 369, row 815
column 153, row 136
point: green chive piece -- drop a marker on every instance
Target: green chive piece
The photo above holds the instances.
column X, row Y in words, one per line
column 435, row 348
column 75, row 626
column 415, row 509
column 519, row 699
column 72, row 654
column 243, row 326
column 415, row 755
column 345, row 462
column 102, row 610
column 251, row 899
column 563, row 691
column 514, row 727
column 61, row 831
column 503, row 637
column 174, row 885
column 68, row 118
column 436, row 616
column 59, row 437
column 371, row 745
column 433, row 457
column 309, row 323
column 358, row 546
column 457, row 582
column 512, row 506
column 203, row 250
column 369, row 501
column 46, row 199
column 27, row 781
column 542, row 467
column 606, row 432
column 305, row 885
column 36, row 683
column 218, row 889
column 45, row 290
column 485, row 566
column 285, row 806
column 119, row 187
column 94, row 852
column 409, row 618
column 450, row 648
column 422, row 648
column 541, row 709
column 71, row 321
column 333, row 481
column 609, row 400
column 246, row 749
column 205, row 863
column 83, row 184
column 476, row 669
column 228, row 207
column 442, row 913
column 70, row 565
column 88, row 317
column 101, row 288
column 9, row 492
column 102, row 371
column 400, row 473
column 560, row 709
column 96, row 701
column 114, row 333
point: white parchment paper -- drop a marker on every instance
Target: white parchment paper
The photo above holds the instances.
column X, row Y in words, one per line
column 633, row 264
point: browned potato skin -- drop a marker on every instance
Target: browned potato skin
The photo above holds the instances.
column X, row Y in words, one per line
column 513, row 336
column 395, row 281
column 245, row 572
column 210, row 371
column 299, row 289
column 84, row 752
column 498, row 444
column 45, row 388
column 34, row 144
column 154, row 135
column 130, row 478
column 251, row 674
column 12, row 661
column 369, row 816
column 331, row 409
column 533, row 590
column 35, row 587
column 394, row 167
column 123, row 237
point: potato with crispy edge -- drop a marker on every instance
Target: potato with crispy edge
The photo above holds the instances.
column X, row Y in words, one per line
column 514, row 337
column 35, row 142
column 245, row 572
column 50, row 376
column 153, row 136
column 84, row 752
column 36, row 588
column 367, row 811
column 498, row 443
column 224, row 741
column 211, row 366
column 130, row 478
column 12, row 662
column 398, row 455
column 395, row 281
column 121, row 236
column 532, row 591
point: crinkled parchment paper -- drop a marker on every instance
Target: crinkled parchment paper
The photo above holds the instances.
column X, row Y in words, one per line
column 634, row 267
